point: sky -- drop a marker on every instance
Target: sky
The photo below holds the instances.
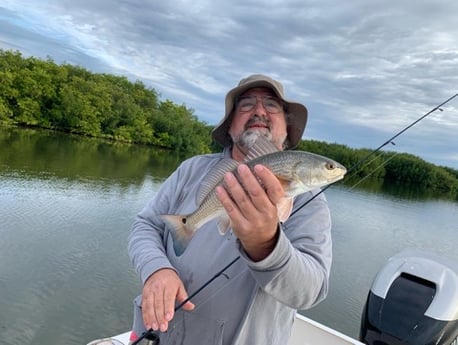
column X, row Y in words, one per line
column 365, row 69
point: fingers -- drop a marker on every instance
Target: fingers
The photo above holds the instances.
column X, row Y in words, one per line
column 157, row 303
column 160, row 292
column 250, row 202
column 183, row 296
column 252, row 194
column 272, row 185
column 238, row 201
column 259, row 191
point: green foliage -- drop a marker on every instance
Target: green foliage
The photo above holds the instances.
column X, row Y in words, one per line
column 413, row 170
column 390, row 167
column 71, row 99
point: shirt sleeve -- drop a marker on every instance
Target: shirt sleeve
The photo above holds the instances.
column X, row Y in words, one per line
column 297, row 271
column 147, row 240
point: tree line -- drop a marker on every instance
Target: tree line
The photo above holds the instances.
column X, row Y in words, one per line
column 391, row 167
column 68, row 98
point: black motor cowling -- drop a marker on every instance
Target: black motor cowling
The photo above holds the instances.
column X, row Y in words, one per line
column 413, row 300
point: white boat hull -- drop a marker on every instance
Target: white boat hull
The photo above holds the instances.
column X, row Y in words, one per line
column 305, row 332
column 308, row 332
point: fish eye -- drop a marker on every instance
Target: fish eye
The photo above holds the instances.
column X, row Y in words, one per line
column 330, row 166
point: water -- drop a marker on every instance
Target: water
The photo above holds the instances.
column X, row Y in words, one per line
column 66, row 207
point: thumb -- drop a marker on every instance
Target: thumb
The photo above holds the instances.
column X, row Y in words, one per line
column 182, row 296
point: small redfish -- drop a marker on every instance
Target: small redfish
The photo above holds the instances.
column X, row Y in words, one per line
column 298, row 172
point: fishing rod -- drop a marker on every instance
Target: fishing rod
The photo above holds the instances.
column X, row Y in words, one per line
column 154, row 337
column 370, row 154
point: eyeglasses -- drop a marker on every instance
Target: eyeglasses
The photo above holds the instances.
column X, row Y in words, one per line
column 272, row 105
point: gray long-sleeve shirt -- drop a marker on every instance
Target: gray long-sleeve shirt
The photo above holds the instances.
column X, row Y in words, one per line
column 252, row 302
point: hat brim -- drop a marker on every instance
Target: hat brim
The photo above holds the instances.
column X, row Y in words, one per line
column 297, row 114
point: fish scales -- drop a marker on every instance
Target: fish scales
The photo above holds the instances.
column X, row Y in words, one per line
column 280, row 163
column 299, row 172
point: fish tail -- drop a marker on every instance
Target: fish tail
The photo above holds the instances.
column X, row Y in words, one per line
column 181, row 234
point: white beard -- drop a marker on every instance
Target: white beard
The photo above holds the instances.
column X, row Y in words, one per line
column 246, row 140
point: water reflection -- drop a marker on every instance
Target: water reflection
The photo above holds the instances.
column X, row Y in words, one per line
column 45, row 154
column 396, row 190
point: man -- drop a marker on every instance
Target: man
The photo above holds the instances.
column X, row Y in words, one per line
column 283, row 267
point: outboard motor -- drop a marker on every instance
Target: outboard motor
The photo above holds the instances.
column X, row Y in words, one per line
column 413, row 300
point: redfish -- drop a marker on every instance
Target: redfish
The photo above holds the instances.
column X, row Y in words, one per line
column 298, row 172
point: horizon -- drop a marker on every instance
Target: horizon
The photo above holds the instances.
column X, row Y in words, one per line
column 365, row 71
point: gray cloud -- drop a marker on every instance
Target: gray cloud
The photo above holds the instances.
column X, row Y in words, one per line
column 364, row 70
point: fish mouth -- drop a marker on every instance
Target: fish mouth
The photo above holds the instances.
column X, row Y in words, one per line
column 336, row 178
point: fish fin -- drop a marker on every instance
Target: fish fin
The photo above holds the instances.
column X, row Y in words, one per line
column 181, row 233
column 262, row 146
column 291, row 185
column 284, row 208
column 285, row 182
column 214, row 177
column 224, row 223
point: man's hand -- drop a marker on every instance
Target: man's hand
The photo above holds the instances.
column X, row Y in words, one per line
column 160, row 292
column 250, row 202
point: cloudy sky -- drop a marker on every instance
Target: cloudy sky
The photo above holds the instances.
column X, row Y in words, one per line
column 364, row 68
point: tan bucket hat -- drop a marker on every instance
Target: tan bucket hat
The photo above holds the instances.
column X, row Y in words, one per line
column 297, row 111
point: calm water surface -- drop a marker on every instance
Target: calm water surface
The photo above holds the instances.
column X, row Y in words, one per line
column 66, row 207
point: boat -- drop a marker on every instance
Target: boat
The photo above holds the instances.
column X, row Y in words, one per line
column 413, row 300
column 305, row 332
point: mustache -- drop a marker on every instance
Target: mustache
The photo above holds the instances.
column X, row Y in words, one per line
column 258, row 120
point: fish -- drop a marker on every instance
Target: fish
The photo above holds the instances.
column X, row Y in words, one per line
column 297, row 171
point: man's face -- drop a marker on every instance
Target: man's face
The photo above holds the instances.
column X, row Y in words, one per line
column 258, row 111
